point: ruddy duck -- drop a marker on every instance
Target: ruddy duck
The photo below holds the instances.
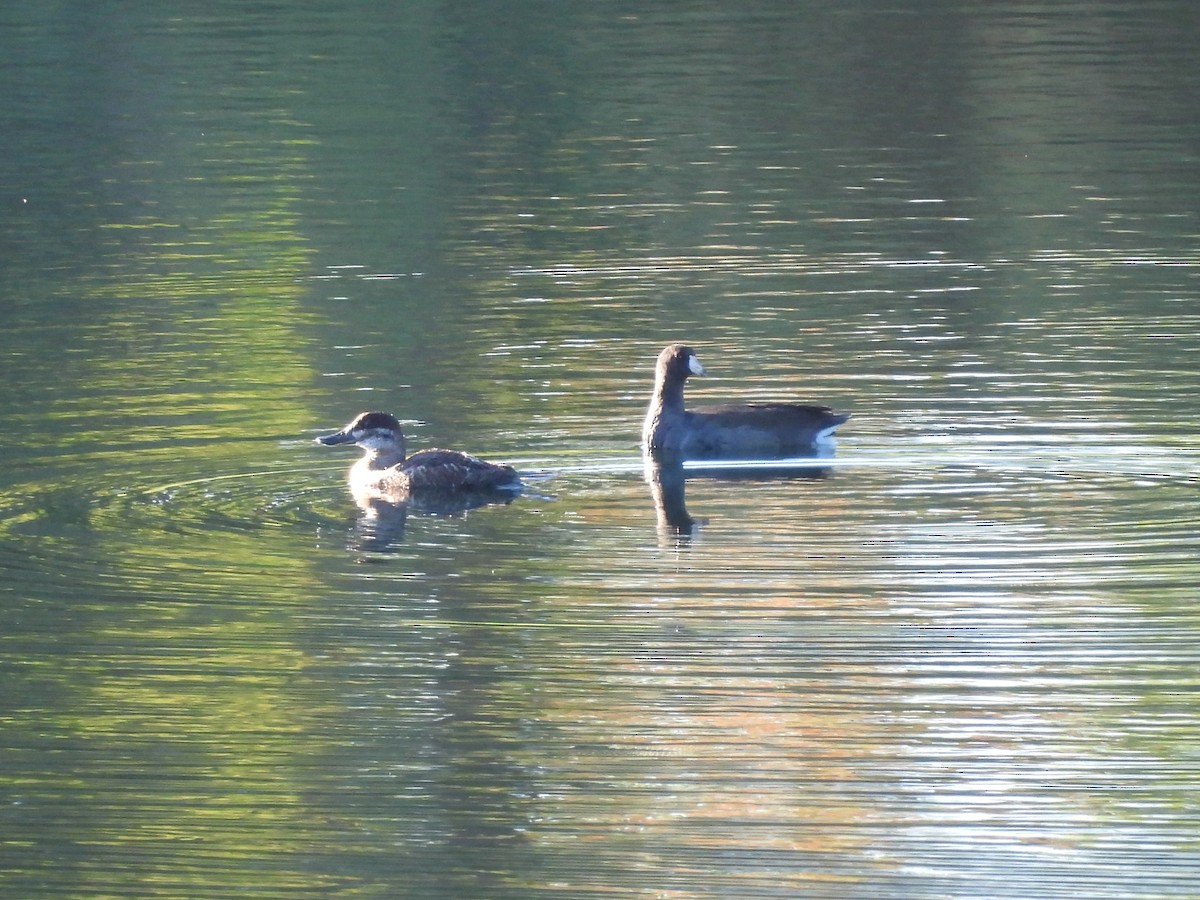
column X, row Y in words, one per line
column 384, row 469
column 734, row 431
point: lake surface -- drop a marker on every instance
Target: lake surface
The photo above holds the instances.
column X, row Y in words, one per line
column 957, row 659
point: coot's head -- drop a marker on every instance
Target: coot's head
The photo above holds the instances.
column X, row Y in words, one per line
column 677, row 362
column 372, row 430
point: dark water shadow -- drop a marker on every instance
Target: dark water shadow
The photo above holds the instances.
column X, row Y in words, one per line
column 667, row 477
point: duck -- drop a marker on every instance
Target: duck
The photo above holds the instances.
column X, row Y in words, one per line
column 386, row 471
column 732, row 431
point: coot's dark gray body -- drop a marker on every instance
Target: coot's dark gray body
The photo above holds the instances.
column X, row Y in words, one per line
column 732, row 431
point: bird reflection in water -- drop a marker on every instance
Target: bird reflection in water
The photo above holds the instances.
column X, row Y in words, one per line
column 382, row 518
column 667, row 476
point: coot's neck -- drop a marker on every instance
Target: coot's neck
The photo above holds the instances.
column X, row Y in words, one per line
column 668, row 395
column 665, row 417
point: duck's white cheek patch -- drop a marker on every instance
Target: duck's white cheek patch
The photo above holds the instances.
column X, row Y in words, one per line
column 371, row 441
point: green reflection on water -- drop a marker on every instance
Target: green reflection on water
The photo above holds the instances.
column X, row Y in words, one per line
column 155, row 742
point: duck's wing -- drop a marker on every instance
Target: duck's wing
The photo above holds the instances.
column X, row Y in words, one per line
column 451, row 470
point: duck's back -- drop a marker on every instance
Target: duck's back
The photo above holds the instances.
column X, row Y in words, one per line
column 452, row 470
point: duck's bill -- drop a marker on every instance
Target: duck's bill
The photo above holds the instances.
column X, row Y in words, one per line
column 339, row 437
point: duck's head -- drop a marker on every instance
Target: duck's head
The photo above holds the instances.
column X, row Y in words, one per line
column 373, row 431
column 677, row 362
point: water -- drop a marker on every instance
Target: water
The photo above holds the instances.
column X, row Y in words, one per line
column 955, row 659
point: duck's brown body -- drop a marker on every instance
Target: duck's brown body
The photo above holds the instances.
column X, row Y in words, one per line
column 386, row 470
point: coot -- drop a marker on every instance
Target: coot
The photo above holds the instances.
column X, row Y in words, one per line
column 733, row 431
